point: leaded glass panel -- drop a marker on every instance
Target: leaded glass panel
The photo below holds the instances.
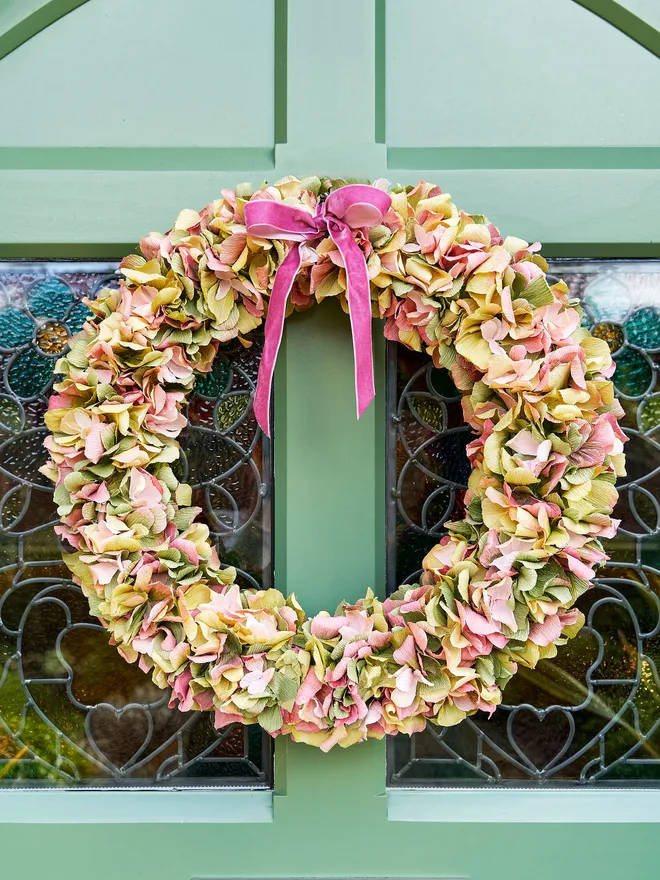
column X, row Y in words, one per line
column 71, row 710
column 592, row 714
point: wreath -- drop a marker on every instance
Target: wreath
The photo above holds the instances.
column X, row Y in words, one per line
column 496, row 593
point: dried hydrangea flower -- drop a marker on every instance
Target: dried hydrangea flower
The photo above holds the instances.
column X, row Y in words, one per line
column 497, row 592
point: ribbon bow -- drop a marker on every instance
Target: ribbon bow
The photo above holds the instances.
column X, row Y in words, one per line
column 348, row 208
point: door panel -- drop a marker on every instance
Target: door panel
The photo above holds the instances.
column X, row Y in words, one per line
column 104, row 75
column 547, row 75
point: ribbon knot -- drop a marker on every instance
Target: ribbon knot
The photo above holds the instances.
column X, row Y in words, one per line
column 346, row 209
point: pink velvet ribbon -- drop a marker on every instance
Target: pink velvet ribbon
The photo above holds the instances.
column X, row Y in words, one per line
column 348, row 208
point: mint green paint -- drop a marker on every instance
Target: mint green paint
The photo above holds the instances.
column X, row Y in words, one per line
column 108, row 807
column 331, row 499
column 525, row 158
column 567, row 205
column 548, row 74
column 637, row 19
column 333, row 103
column 121, row 63
column 223, row 159
column 524, row 806
column 22, row 19
column 245, row 159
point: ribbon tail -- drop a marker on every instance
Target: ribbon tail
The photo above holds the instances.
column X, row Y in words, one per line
column 359, row 306
column 284, row 278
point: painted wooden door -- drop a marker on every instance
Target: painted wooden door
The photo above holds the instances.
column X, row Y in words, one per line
column 116, row 114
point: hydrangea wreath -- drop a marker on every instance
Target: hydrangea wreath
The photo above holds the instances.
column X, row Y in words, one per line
column 496, row 593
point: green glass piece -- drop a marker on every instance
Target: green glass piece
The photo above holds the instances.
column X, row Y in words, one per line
column 50, row 298
column 428, row 410
column 12, row 416
column 611, row 333
column 16, row 328
column 230, row 409
column 649, row 416
column 643, row 328
column 30, row 373
column 214, row 384
column 77, row 317
column 633, row 373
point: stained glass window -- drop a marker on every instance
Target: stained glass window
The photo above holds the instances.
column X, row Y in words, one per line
column 592, row 714
column 72, row 711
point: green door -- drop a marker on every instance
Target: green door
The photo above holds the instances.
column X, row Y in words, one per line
column 118, row 113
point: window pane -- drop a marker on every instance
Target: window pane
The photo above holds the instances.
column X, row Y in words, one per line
column 71, row 710
column 592, row 714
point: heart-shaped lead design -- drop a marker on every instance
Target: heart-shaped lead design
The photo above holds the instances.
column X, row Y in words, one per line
column 497, row 592
column 118, row 736
column 546, row 735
